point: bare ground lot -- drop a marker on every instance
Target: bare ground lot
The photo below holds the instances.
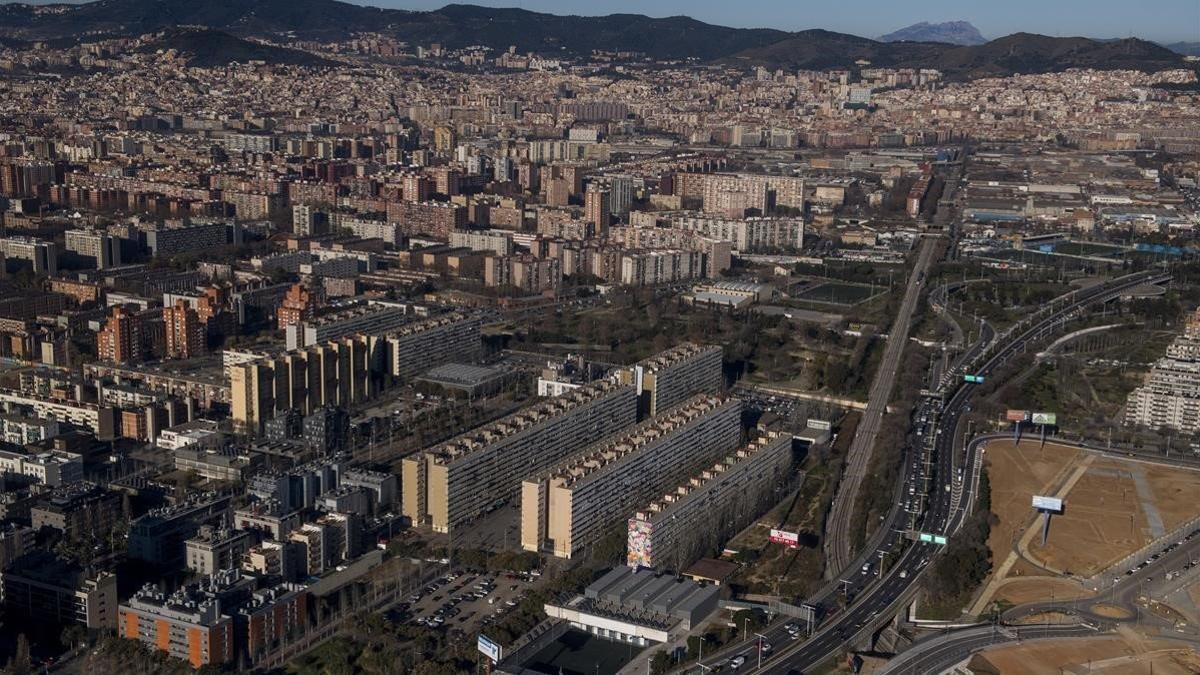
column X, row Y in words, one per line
column 1127, row 654
column 1112, row 509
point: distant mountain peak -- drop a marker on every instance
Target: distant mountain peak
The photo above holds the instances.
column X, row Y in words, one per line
column 949, row 32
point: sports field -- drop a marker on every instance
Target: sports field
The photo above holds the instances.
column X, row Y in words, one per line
column 839, row 293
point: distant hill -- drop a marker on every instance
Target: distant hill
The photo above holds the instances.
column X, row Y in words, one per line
column 1017, row 53
column 950, row 32
column 662, row 38
column 206, row 48
column 452, row 25
column 1185, row 48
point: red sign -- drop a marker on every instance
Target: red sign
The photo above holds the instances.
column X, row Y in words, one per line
column 1017, row 415
column 788, row 539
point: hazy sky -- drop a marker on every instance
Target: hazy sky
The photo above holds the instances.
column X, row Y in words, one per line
column 1161, row 20
column 1164, row 20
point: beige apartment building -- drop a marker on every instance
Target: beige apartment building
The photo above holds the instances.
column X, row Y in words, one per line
column 570, row 506
column 422, row 345
column 457, row 481
column 337, row 373
column 669, row 378
column 345, row 371
column 676, row 528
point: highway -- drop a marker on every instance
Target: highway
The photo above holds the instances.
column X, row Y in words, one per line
column 1122, row 589
column 943, row 651
column 838, row 551
column 946, row 499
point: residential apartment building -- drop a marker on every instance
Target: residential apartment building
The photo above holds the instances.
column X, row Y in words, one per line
column 573, row 504
column 669, row 378
column 652, row 268
column 421, row 345
column 158, row 537
column 366, row 319
column 39, row 254
column 79, row 510
column 746, row 235
column 102, row 247
column 199, row 235
column 338, row 373
column 214, row 549
column 1170, row 396
column 189, row 624
column 45, row 588
column 54, row 468
column 527, row 273
column 457, row 481
column 678, row 527
column 186, row 335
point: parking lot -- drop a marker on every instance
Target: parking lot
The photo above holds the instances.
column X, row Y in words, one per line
column 466, row 602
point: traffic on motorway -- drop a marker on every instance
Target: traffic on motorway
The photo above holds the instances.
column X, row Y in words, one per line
column 937, row 495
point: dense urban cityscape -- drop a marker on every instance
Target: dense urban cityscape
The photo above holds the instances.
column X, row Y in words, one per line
column 337, row 339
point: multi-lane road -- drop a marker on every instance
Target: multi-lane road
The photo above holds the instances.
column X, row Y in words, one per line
column 872, row 597
column 838, row 547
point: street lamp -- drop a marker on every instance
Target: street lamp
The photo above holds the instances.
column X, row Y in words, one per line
column 762, row 639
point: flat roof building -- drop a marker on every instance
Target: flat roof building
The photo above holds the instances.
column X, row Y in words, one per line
column 574, row 503
column 461, row 479
column 671, row 377
column 639, row 607
column 422, row 345
column 682, row 524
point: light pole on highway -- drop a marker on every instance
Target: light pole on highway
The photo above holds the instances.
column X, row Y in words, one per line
column 762, row 639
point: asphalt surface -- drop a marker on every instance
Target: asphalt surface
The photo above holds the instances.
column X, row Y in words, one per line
column 873, row 596
column 838, row 549
column 943, row 651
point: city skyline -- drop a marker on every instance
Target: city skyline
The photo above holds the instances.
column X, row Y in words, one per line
column 1068, row 18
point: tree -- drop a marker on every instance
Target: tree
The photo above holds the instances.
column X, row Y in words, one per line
column 21, row 662
column 73, row 635
column 660, row 663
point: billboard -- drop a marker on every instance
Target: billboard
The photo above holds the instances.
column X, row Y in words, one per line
column 788, row 539
column 1047, row 503
column 1017, row 415
column 973, row 379
column 489, row 649
column 1048, row 418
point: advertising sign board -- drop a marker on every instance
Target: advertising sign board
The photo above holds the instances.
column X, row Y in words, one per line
column 789, row 539
column 1047, row 503
column 489, row 649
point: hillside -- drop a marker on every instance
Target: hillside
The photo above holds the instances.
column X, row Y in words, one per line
column 204, row 48
column 662, row 38
column 1017, row 53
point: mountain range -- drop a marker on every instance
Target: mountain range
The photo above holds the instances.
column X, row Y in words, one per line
column 950, row 32
column 670, row 38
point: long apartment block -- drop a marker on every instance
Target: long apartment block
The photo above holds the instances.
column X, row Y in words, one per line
column 671, row 377
column 571, row 505
column 419, row 346
column 453, row 483
column 673, row 529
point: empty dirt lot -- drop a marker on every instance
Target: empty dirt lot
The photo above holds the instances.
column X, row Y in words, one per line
column 1112, row 508
column 1123, row 655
